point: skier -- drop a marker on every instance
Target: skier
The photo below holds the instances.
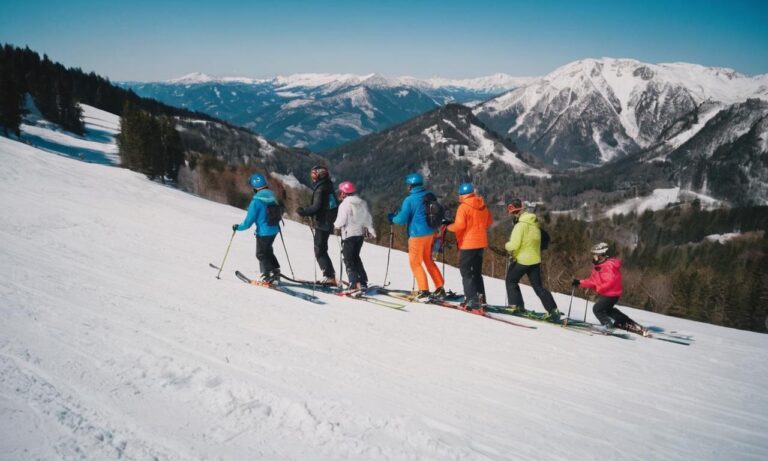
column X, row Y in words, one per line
column 471, row 228
column 265, row 213
column 421, row 235
column 524, row 246
column 605, row 279
column 323, row 209
column 356, row 224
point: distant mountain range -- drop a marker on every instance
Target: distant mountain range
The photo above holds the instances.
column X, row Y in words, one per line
column 320, row 111
column 706, row 125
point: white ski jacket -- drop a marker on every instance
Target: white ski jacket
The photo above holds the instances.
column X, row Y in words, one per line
column 354, row 218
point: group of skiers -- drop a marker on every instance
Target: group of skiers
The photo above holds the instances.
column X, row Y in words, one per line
column 424, row 219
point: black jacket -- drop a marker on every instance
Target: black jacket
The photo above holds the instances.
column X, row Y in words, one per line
column 324, row 205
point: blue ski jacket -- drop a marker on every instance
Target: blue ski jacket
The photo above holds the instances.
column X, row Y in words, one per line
column 257, row 214
column 413, row 213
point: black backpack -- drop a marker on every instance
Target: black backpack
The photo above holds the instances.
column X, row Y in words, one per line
column 434, row 211
column 544, row 239
column 274, row 214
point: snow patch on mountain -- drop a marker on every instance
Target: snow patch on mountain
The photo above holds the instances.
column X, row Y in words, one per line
column 722, row 238
column 483, row 154
column 97, row 145
column 660, row 199
column 289, row 180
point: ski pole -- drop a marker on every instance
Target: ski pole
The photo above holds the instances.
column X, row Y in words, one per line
column 442, row 250
column 285, row 249
column 509, row 259
column 586, row 308
column 389, row 250
column 226, row 253
column 568, row 315
column 341, row 263
column 314, row 266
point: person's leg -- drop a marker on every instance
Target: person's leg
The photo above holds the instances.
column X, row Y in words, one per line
column 363, row 276
column 512, row 280
column 348, row 251
column 434, row 271
column 321, row 253
column 534, row 276
column 620, row 319
column 477, row 272
column 602, row 309
column 416, row 258
column 465, row 267
column 266, row 255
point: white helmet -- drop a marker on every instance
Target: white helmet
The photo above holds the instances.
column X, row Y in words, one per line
column 600, row 249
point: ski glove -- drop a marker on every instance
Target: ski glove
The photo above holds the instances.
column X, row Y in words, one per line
column 234, row 227
column 576, row 283
column 391, row 218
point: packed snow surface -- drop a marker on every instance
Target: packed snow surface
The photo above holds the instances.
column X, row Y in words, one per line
column 118, row 342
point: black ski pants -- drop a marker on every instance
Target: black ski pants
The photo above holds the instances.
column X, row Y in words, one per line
column 609, row 315
column 266, row 254
column 321, row 253
column 471, row 268
column 515, row 273
column 350, row 249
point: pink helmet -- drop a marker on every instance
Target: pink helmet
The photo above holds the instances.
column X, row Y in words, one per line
column 347, row 187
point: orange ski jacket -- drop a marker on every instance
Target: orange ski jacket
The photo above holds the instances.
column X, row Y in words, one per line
column 472, row 221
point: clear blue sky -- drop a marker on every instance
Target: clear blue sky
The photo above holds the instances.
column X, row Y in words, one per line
column 148, row 40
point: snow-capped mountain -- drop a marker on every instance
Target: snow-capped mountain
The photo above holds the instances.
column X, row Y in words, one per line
column 320, row 111
column 447, row 144
column 592, row 111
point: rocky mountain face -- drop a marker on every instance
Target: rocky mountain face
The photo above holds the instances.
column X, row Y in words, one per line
column 728, row 157
column 320, row 111
column 592, row 111
column 448, row 145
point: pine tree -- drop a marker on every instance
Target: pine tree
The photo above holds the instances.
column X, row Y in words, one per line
column 173, row 151
column 11, row 99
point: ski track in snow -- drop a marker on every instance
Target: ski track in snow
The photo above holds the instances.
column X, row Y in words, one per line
column 118, row 342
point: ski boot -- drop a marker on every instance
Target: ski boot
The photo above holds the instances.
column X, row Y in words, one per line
column 439, row 294
column 552, row 316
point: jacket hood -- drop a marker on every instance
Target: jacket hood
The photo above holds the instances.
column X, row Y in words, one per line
column 611, row 263
column 417, row 190
column 266, row 196
column 529, row 218
column 473, row 201
column 352, row 199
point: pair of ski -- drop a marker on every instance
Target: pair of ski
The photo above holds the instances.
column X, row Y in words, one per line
column 592, row 329
column 407, row 296
column 290, row 289
column 281, row 288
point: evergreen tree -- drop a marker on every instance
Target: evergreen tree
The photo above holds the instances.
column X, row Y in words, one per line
column 11, row 100
column 173, row 151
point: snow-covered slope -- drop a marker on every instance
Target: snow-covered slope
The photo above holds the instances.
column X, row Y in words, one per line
column 594, row 110
column 117, row 342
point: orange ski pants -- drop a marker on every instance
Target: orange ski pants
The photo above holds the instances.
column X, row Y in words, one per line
column 420, row 253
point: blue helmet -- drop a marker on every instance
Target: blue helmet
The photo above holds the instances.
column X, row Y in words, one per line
column 414, row 179
column 258, row 181
column 466, row 188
